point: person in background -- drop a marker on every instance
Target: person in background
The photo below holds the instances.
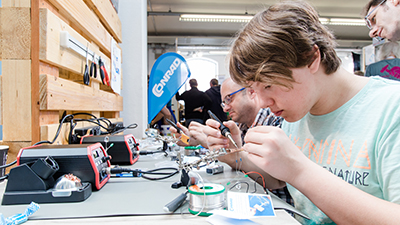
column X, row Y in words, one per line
column 215, row 95
column 338, row 149
column 388, row 65
column 382, row 18
column 196, row 103
column 164, row 114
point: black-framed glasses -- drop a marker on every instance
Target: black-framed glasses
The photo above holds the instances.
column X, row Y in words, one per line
column 228, row 99
column 370, row 23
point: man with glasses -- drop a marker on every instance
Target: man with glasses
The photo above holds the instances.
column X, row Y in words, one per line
column 242, row 107
column 383, row 19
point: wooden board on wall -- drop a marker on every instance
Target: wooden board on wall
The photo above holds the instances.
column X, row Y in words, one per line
column 51, row 52
column 107, row 14
column 61, row 94
column 85, row 20
column 15, row 3
column 15, row 33
column 16, row 97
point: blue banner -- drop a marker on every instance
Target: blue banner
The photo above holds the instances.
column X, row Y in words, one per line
column 167, row 76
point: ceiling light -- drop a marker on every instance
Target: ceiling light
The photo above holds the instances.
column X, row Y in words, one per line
column 215, row 18
column 244, row 18
column 342, row 21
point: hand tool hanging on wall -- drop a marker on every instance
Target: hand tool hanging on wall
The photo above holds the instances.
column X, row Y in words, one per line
column 86, row 78
column 103, row 73
column 93, row 70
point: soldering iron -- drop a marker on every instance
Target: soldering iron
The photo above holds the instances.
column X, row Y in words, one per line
column 224, row 130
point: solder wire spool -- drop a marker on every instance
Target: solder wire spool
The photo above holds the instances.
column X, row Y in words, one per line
column 206, row 197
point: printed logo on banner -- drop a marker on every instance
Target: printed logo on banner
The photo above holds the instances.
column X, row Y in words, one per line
column 167, row 76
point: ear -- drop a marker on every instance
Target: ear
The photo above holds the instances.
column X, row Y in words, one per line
column 252, row 94
column 316, row 60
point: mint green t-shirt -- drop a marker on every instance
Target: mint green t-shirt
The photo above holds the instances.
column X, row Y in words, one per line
column 359, row 142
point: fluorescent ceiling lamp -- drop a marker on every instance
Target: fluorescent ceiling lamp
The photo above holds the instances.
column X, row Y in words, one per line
column 215, row 18
column 342, row 21
column 247, row 18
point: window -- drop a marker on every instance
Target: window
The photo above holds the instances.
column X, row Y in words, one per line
column 203, row 70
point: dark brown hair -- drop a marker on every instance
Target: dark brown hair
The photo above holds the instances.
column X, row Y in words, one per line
column 193, row 83
column 280, row 38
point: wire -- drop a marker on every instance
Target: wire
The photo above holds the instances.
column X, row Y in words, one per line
column 131, row 126
column 242, row 182
column 255, row 184
column 4, row 177
column 158, row 169
column 139, row 173
column 7, row 165
column 258, row 174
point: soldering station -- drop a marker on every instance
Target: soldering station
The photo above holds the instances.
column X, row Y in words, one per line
column 47, row 173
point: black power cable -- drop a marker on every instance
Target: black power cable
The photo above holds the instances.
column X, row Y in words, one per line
column 140, row 173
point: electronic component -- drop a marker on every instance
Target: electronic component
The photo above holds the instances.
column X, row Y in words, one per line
column 123, row 151
column 215, row 169
column 87, row 161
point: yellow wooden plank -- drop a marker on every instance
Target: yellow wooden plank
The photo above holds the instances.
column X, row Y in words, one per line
column 15, row 31
column 51, row 52
column 16, row 3
column 48, row 132
column 107, row 14
column 16, row 97
column 85, row 20
column 60, row 94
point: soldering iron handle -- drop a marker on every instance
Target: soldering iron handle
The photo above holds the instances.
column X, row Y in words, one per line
column 174, row 125
column 212, row 115
column 224, row 130
column 174, row 204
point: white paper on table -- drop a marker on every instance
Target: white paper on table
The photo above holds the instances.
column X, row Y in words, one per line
column 249, row 205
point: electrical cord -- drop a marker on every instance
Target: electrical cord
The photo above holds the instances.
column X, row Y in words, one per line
column 140, row 173
column 7, row 165
column 148, row 152
column 4, row 177
column 131, row 126
column 242, row 182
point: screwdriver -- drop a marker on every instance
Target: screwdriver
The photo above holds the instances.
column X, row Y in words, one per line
column 86, row 78
column 103, row 73
column 93, row 72
column 224, row 130
column 184, row 137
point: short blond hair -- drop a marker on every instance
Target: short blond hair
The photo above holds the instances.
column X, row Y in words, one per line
column 280, row 38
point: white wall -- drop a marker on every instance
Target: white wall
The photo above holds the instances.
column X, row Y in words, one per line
column 133, row 16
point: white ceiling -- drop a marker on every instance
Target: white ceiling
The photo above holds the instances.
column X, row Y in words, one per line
column 168, row 30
